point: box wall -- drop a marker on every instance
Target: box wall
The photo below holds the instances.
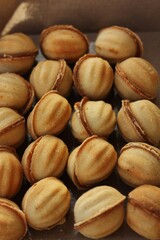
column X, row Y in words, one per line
column 89, row 16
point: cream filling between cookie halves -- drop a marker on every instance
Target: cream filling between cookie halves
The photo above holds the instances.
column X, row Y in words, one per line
column 135, row 123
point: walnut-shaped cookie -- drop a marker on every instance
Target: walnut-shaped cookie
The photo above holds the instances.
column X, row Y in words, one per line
column 17, row 53
column 139, row 121
column 139, row 163
column 16, row 92
column 116, row 43
column 13, row 221
column 11, row 173
column 143, row 211
column 12, row 127
column 92, row 118
column 91, row 162
column 46, row 203
column 50, row 115
column 46, row 156
column 51, row 75
column 63, row 42
column 99, row 212
column 136, row 78
column 93, row 77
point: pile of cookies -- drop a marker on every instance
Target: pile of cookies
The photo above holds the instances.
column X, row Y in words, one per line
column 39, row 107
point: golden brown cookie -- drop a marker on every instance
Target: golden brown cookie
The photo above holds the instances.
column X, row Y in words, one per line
column 13, row 221
column 17, row 53
column 91, row 162
column 139, row 163
column 93, row 77
column 46, row 203
column 143, row 211
column 46, row 156
column 16, row 92
column 63, row 42
column 139, row 121
column 11, row 173
column 116, row 43
column 50, row 115
column 51, row 75
column 92, row 118
column 12, row 127
column 135, row 79
column 99, row 212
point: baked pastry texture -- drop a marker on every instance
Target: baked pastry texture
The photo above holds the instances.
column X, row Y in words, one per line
column 136, row 78
column 17, row 53
column 16, row 92
column 91, row 162
column 92, row 118
column 99, row 212
column 50, row 115
column 116, row 43
column 139, row 121
column 93, row 77
column 143, row 211
column 63, row 42
column 12, row 127
column 139, row 163
column 11, row 173
column 46, row 156
column 51, row 75
column 46, row 203
column 13, row 221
